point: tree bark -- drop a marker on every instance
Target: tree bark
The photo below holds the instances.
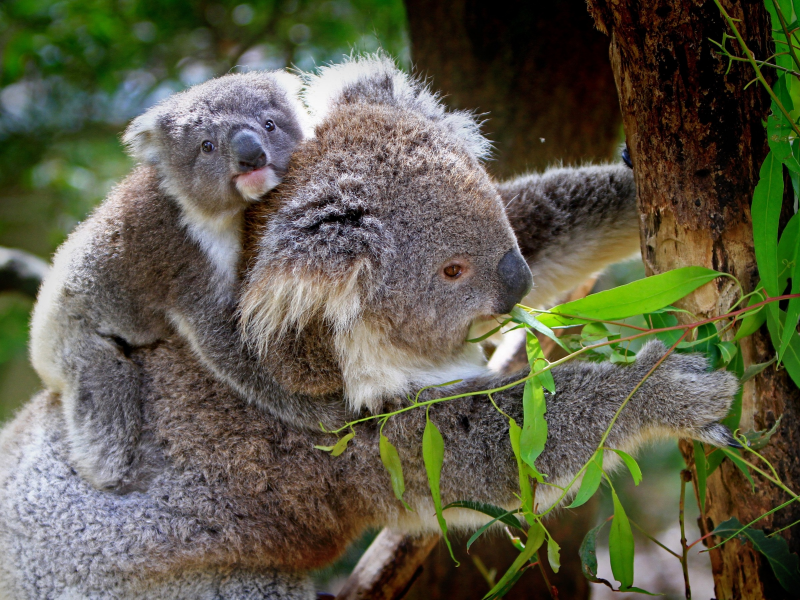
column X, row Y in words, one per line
column 539, row 69
column 697, row 142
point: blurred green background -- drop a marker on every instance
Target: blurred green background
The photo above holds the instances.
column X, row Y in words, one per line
column 73, row 73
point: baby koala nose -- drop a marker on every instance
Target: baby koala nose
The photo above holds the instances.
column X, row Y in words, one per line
column 516, row 279
column 248, row 151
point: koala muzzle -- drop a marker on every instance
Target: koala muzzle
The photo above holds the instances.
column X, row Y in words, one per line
column 516, row 279
column 248, row 151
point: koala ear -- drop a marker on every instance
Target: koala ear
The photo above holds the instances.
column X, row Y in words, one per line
column 376, row 79
column 141, row 137
column 292, row 85
column 316, row 258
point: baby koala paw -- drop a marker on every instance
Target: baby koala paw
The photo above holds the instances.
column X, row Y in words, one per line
column 684, row 397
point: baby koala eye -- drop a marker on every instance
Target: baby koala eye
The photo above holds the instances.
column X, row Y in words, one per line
column 453, row 271
column 207, row 146
column 269, row 125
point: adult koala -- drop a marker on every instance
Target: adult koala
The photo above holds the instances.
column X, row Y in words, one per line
column 349, row 274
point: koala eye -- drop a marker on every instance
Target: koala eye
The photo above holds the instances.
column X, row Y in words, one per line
column 453, row 271
column 269, row 125
column 207, row 146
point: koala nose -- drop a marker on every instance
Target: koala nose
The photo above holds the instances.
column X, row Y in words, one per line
column 248, row 151
column 516, row 278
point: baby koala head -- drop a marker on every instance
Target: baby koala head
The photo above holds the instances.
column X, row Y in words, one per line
column 224, row 143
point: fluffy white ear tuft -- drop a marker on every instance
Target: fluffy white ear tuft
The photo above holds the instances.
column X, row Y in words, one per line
column 140, row 138
column 376, row 79
column 293, row 86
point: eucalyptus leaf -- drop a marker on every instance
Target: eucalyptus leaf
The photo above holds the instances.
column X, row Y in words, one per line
column 433, row 457
column 505, row 518
column 785, row 564
column 754, row 370
column 727, row 350
column 632, row 465
column 553, row 554
column 756, row 440
column 592, row 477
column 701, row 468
column 620, row 545
column 536, row 535
column 741, row 464
column 391, row 460
column 526, row 494
column 522, row 316
column 537, row 362
column 588, row 554
column 662, row 320
column 765, row 212
column 534, row 427
column 642, row 296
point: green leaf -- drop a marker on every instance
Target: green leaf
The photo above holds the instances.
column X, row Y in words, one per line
column 741, row 463
column 553, row 554
column 765, row 211
column 661, row 320
column 791, row 358
column 632, row 465
column 620, row 545
column 505, row 518
column 522, row 316
column 536, row 535
column 433, row 457
column 754, row 370
column 588, row 554
column 642, row 296
column 731, row 421
column 526, row 494
column 391, row 460
column 339, row 447
column 784, row 563
column 534, row 426
column 537, row 361
column 701, row 467
column 756, row 440
column 728, row 350
column 591, row 480
column 713, row 461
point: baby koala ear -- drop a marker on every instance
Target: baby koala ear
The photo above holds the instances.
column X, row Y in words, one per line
column 141, row 137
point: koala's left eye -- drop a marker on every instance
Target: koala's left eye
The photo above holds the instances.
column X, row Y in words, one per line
column 207, row 146
column 453, row 271
column 269, row 125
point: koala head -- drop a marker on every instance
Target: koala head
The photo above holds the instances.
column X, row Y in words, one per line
column 223, row 143
column 390, row 231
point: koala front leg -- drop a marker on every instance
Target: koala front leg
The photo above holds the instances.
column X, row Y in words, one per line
column 103, row 409
column 680, row 399
column 571, row 223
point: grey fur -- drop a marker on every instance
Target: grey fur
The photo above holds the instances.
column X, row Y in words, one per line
column 161, row 252
column 243, row 495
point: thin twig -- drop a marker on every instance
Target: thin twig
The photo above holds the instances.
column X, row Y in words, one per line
column 686, row 475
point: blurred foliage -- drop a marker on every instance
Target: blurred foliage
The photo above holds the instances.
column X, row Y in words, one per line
column 72, row 73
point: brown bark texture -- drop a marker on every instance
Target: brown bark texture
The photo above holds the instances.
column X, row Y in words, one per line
column 539, row 70
column 697, row 142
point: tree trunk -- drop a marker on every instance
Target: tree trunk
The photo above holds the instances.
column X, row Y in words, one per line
column 697, row 142
column 539, row 69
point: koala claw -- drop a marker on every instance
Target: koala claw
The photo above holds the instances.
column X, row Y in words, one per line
column 718, row 435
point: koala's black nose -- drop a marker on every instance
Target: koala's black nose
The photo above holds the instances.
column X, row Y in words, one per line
column 516, row 278
column 248, row 151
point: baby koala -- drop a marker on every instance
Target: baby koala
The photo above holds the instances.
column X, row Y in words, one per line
column 160, row 254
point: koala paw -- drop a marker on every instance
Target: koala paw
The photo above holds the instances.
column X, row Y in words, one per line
column 685, row 397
